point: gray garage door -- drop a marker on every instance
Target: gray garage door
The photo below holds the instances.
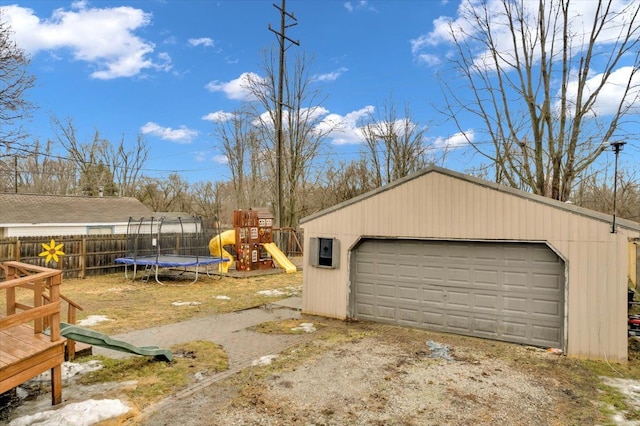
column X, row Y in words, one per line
column 504, row 291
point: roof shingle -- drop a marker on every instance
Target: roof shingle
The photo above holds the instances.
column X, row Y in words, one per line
column 32, row 208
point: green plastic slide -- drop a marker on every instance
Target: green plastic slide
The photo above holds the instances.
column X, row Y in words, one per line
column 91, row 337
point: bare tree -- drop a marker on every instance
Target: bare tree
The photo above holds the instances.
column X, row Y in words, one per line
column 303, row 129
column 595, row 192
column 15, row 81
column 165, row 195
column 43, row 172
column 87, row 157
column 341, row 183
column 240, row 144
column 127, row 164
column 100, row 164
column 537, row 74
column 397, row 146
column 204, row 199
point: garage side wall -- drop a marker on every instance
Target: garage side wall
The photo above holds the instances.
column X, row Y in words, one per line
column 439, row 206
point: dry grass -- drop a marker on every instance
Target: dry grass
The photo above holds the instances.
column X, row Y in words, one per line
column 156, row 380
column 135, row 305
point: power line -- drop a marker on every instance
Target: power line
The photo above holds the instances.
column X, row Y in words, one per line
column 282, row 38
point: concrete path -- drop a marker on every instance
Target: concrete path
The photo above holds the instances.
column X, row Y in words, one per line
column 228, row 330
column 231, row 331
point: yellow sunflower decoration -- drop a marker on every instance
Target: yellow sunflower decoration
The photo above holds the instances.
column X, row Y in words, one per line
column 52, row 251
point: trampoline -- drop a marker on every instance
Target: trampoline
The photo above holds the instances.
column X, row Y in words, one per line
column 164, row 243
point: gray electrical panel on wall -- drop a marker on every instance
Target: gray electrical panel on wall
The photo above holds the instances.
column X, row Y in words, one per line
column 324, row 252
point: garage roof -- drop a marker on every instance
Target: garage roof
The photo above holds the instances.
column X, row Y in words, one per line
column 501, row 188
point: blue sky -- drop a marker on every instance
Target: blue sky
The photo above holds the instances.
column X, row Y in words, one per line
column 162, row 67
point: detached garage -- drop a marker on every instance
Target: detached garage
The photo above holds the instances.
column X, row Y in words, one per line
column 447, row 252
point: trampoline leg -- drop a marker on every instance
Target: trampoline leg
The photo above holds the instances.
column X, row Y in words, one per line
column 157, row 280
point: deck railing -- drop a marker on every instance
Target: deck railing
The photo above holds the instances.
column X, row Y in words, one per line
column 25, row 351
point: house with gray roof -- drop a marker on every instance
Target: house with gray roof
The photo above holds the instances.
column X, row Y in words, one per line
column 31, row 215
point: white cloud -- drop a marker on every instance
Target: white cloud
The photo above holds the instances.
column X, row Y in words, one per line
column 200, row 156
column 443, row 27
column 237, row 89
column 180, row 135
column 331, row 76
column 352, row 6
column 104, row 38
column 612, row 93
column 340, row 129
column 344, row 130
column 220, row 159
column 203, row 41
column 455, row 141
column 313, row 113
column 219, row 116
column 462, row 28
column 429, row 59
column 206, row 155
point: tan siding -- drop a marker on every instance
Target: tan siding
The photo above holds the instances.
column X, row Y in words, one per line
column 437, row 205
column 631, row 252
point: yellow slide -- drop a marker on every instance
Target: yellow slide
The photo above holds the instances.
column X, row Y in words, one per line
column 216, row 248
column 280, row 258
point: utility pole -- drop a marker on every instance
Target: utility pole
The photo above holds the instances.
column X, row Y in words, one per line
column 282, row 39
column 617, row 147
column 15, row 173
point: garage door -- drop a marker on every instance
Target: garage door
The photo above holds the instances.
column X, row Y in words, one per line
column 505, row 291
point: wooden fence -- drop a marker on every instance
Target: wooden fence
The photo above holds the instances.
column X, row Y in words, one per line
column 83, row 254
column 86, row 255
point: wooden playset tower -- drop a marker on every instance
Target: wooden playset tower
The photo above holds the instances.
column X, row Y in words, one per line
column 253, row 228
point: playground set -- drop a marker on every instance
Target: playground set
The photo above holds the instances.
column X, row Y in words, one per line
column 252, row 241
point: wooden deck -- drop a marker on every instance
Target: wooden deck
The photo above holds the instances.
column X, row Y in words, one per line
column 25, row 351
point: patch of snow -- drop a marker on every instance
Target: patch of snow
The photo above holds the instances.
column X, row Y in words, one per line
column 439, row 351
column 223, row 298
column 69, row 370
column 93, row 320
column 285, row 291
column 307, row 327
column 186, row 303
column 630, row 389
column 265, row 360
column 84, row 413
column 22, row 394
column 271, row 293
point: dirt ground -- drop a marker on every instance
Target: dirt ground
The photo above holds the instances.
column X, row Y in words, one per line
column 371, row 374
column 374, row 374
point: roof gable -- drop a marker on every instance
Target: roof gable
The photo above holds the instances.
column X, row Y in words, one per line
column 34, row 209
column 476, row 181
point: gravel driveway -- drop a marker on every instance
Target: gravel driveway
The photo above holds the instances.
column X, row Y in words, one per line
column 372, row 374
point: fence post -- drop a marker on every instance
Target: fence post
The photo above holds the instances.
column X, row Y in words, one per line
column 83, row 257
column 17, row 249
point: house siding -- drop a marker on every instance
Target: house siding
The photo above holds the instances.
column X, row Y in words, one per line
column 44, row 229
column 437, row 205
